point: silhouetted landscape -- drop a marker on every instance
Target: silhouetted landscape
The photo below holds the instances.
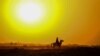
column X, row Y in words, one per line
column 49, row 27
column 68, row 50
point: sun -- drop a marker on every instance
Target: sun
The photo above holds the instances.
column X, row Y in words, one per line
column 32, row 16
column 30, row 12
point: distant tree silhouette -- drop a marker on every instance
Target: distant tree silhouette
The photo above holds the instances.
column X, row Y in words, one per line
column 57, row 43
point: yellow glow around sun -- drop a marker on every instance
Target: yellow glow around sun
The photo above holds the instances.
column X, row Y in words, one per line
column 30, row 12
column 31, row 16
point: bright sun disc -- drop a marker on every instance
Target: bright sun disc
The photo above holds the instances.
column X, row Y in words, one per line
column 30, row 12
column 32, row 16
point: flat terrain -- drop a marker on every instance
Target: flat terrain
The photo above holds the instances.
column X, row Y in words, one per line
column 64, row 51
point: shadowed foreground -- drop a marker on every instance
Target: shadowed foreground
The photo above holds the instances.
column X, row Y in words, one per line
column 65, row 51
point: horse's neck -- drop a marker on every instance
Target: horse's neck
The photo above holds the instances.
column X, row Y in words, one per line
column 60, row 42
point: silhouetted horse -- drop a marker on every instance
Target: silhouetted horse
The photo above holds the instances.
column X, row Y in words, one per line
column 57, row 43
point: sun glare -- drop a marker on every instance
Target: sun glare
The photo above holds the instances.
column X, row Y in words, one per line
column 32, row 16
column 30, row 12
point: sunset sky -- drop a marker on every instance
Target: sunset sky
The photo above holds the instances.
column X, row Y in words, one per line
column 41, row 21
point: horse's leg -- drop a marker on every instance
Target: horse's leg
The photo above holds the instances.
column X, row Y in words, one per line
column 53, row 45
column 59, row 45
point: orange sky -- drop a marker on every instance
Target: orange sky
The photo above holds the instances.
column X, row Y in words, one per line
column 80, row 24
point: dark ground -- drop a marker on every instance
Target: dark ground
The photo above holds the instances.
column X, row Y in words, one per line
column 66, row 51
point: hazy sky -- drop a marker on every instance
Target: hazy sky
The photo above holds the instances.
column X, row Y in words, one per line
column 79, row 24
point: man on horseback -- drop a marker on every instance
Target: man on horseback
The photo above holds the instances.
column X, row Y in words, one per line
column 57, row 43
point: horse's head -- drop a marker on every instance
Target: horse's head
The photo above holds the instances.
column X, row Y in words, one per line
column 61, row 41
